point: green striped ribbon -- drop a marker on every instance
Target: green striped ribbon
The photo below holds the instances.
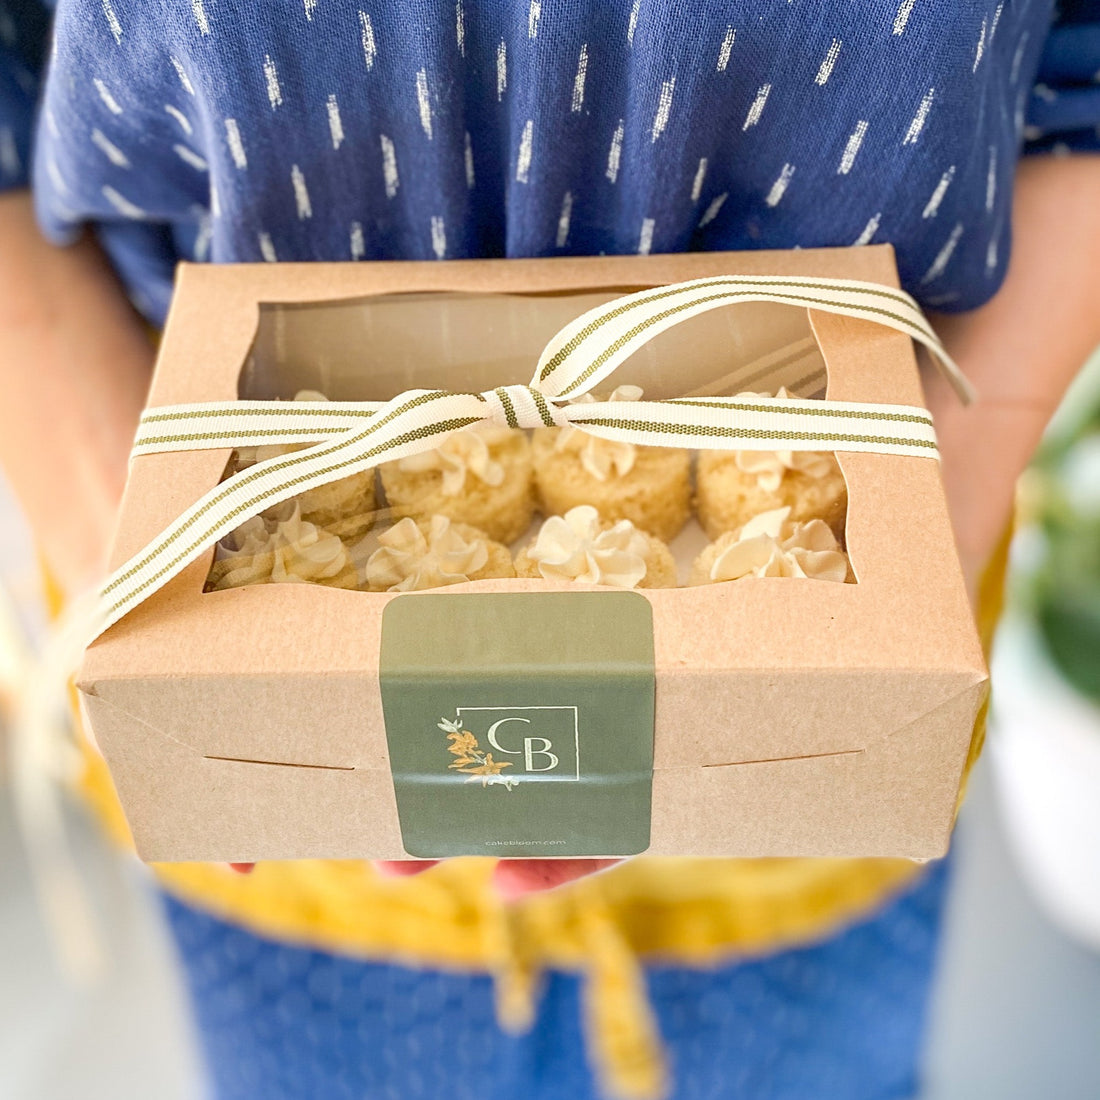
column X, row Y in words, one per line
column 346, row 438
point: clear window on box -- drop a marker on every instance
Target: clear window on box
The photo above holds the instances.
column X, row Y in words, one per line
column 493, row 502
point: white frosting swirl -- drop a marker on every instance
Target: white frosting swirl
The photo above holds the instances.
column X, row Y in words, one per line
column 409, row 561
column 770, row 466
column 573, row 547
column 770, row 545
column 601, row 458
column 287, row 550
column 461, row 454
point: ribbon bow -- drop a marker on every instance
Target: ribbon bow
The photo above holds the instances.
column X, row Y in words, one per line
column 350, row 437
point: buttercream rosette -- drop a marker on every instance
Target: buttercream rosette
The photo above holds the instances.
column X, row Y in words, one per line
column 773, row 545
column 435, row 553
column 288, row 550
column 480, row 476
column 650, row 486
column 733, row 486
column 582, row 547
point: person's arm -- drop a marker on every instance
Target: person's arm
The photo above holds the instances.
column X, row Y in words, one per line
column 1021, row 350
column 74, row 369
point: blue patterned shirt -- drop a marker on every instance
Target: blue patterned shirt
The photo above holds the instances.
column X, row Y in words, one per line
column 228, row 130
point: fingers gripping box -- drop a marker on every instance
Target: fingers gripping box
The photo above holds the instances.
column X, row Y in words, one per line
column 535, row 714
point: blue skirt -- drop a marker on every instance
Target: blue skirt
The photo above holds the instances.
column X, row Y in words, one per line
column 839, row 1020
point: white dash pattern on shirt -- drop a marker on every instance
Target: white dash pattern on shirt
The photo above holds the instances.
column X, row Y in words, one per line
column 991, row 254
column 526, row 144
column 389, row 167
column 181, row 72
column 757, row 108
column 112, row 22
column 979, row 53
column 439, row 237
column 996, row 20
column 423, row 104
column 202, row 238
column 779, row 188
column 236, row 146
column 109, row 100
column 645, row 237
column 534, row 14
column 869, row 230
column 335, row 123
column 700, row 176
column 726, row 49
column 828, row 63
column 56, row 178
column 181, row 118
column 712, row 210
column 271, row 79
column 366, row 40
column 502, row 69
column 469, row 162
column 579, row 79
column 991, row 179
column 615, row 153
column 664, row 109
column 358, row 246
column 122, row 204
column 943, row 257
column 189, row 156
column 113, row 153
column 201, row 21
column 901, row 19
column 937, row 195
column 267, row 248
column 460, row 28
column 919, row 118
column 564, row 218
column 301, row 193
column 851, row 150
column 632, row 25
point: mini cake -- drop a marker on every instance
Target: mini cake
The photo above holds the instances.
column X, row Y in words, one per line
column 734, row 486
column 265, row 551
column 432, row 554
column 345, row 508
column 579, row 546
column 650, row 486
column 773, row 545
column 480, row 476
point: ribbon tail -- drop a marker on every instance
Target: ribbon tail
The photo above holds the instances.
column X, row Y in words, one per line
column 951, row 371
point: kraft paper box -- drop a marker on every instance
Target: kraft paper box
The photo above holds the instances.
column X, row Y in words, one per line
column 761, row 717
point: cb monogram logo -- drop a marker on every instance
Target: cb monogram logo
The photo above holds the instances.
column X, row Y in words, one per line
column 532, row 743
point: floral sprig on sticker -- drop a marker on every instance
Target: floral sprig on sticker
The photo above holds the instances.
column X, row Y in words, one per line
column 471, row 761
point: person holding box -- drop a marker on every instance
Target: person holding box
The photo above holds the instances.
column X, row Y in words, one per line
column 320, row 129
